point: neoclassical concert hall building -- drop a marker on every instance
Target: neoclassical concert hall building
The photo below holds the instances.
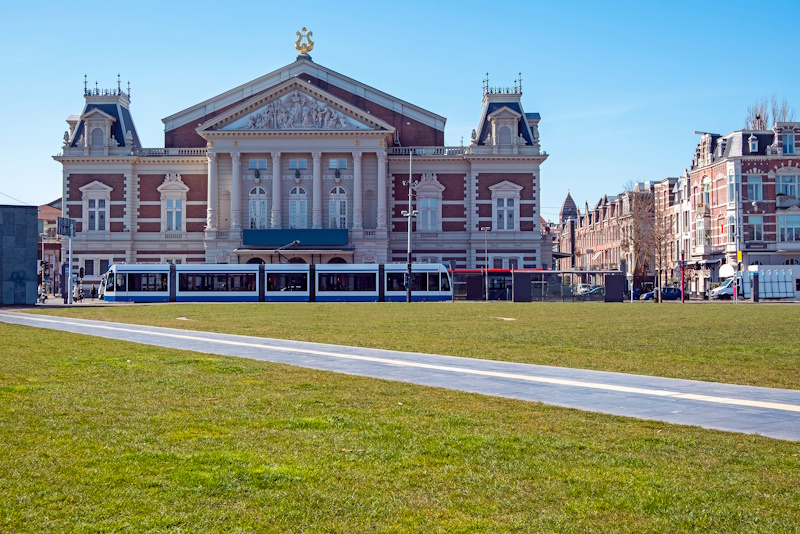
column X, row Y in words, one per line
column 304, row 165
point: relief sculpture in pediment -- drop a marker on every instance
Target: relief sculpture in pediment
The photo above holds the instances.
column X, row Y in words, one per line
column 298, row 111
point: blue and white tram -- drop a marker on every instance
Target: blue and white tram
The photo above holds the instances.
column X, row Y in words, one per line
column 274, row 283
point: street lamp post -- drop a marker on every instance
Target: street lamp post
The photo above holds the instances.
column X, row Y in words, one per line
column 42, row 264
column 485, row 230
column 409, row 214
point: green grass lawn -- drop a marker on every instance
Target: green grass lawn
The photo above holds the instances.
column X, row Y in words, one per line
column 742, row 344
column 97, row 437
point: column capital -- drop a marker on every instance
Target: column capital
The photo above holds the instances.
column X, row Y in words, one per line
column 236, row 156
column 212, row 156
column 381, row 156
column 357, row 157
column 316, row 155
column 275, row 154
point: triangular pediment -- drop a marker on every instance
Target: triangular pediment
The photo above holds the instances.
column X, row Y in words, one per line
column 295, row 105
column 504, row 112
column 95, row 113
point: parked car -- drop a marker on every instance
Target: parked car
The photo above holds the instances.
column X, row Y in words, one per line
column 595, row 293
column 667, row 293
column 582, row 288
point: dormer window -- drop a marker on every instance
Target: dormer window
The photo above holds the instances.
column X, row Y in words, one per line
column 753, row 144
column 787, row 140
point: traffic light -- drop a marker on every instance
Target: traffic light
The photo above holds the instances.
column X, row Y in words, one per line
column 80, row 272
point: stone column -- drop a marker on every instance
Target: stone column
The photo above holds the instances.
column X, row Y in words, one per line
column 382, row 191
column 316, row 212
column 236, row 192
column 211, row 211
column 276, row 190
column 358, row 193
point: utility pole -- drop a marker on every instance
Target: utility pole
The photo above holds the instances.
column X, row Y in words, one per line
column 485, row 230
column 409, row 215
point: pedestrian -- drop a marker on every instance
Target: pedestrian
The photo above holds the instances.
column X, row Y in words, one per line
column 93, row 292
column 75, row 293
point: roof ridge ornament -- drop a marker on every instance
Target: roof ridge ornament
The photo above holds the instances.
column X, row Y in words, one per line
column 304, row 44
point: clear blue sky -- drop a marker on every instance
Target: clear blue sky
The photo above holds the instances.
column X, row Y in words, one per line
column 621, row 86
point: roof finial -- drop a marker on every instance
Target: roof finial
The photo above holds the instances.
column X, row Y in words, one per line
column 85, row 87
column 520, row 82
column 129, row 89
column 119, row 88
column 304, row 44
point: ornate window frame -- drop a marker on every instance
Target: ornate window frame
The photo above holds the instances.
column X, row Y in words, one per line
column 98, row 195
column 173, row 190
column 428, row 190
column 505, row 191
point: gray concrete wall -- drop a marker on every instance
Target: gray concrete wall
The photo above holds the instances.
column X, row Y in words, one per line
column 18, row 254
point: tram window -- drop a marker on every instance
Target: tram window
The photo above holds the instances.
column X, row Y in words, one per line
column 419, row 281
column 217, row 282
column 395, row 282
column 147, row 281
column 121, row 282
column 287, row 282
column 347, row 282
column 445, row 283
column 433, row 281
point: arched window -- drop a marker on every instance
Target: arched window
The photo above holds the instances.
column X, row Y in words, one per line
column 792, row 261
column 97, row 137
column 337, row 259
column 258, row 208
column 298, row 208
column 338, row 208
column 504, row 136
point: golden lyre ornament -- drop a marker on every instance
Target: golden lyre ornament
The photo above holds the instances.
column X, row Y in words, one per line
column 304, row 44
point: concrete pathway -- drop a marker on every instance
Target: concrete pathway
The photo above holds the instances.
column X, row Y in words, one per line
column 765, row 411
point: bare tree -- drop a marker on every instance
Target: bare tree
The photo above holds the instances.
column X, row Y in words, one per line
column 662, row 234
column 757, row 115
column 638, row 227
column 781, row 111
column 760, row 112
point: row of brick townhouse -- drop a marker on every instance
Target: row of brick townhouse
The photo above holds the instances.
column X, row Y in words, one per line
column 741, row 195
column 303, row 154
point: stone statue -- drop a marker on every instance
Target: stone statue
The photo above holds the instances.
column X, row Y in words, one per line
column 488, row 140
column 474, row 135
column 522, row 140
column 114, row 142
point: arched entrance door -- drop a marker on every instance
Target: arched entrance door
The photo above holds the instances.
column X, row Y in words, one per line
column 337, row 260
column 256, row 261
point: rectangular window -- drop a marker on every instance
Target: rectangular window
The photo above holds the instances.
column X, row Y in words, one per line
column 88, row 267
column 260, row 164
column 297, row 164
column 347, row 282
column 174, row 215
column 92, row 215
column 147, row 281
column 428, row 215
column 337, row 164
column 731, row 229
column 707, row 194
column 103, row 266
column 787, row 185
column 755, row 225
column 505, row 213
column 287, row 282
column 754, row 188
column 217, row 282
column 731, row 189
column 789, row 228
column 788, row 143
